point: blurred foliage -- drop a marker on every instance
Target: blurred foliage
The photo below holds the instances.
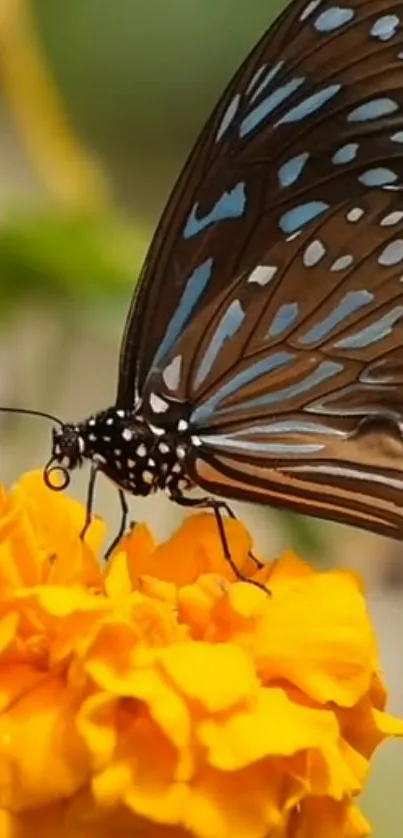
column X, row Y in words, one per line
column 74, row 251
column 59, row 257
column 140, row 78
column 38, row 112
column 305, row 535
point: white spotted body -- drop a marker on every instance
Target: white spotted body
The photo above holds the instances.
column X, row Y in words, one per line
column 138, row 458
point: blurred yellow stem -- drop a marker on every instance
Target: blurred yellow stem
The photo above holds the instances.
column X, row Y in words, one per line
column 34, row 101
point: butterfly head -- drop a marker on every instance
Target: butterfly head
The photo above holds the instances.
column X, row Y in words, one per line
column 68, row 452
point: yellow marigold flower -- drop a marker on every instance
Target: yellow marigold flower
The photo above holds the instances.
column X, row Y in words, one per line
column 159, row 695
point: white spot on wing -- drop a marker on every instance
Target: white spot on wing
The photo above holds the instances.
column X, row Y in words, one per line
column 313, row 253
column 391, row 219
column 309, row 9
column 127, row 434
column 263, row 274
column 228, row 116
column 392, row 253
column 172, row 373
column 157, row 404
column 355, row 214
column 342, row 262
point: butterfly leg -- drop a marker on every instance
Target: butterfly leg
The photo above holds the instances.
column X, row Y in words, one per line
column 217, row 506
column 90, row 501
column 123, row 523
column 90, row 508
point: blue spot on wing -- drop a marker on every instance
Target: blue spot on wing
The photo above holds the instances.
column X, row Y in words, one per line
column 333, row 18
column 194, row 288
column 346, row 154
column 374, row 109
column 290, row 171
column 229, row 324
column 352, row 301
column 231, row 205
column 295, row 219
column 385, row 27
column 260, row 447
column 325, row 370
column 379, row 176
column 373, row 333
column 283, row 319
column 256, row 370
column 309, row 105
column 268, row 105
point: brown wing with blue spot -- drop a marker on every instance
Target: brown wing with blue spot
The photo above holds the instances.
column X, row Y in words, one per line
column 313, row 115
column 296, row 375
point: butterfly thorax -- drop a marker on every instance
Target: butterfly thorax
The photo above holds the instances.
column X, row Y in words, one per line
column 138, row 457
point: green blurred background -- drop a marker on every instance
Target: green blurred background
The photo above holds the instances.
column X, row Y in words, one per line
column 100, row 102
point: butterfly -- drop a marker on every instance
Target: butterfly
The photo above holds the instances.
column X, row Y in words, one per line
column 262, row 358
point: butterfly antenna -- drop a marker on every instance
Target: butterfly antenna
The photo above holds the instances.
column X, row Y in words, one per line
column 25, row 412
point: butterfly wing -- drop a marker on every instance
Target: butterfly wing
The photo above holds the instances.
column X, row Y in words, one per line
column 295, row 374
column 314, row 113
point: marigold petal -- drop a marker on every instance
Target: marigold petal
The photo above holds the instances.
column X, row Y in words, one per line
column 60, row 601
column 139, row 546
column 16, row 680
column 155, row 694
column 247, row 804
column 327, row 819
column 196, row 604
column 38, row 731
column 8, row 630
column 196, row 548
column 166, row 707
column 249, row 735
column 365, row 727
column 22, row 559
column 152, row 762
column 217, row 677
column 118, row 583
column 56, row 518
column 317, row 635
column 96, row 723
column 387, row 725
column 165, row 592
